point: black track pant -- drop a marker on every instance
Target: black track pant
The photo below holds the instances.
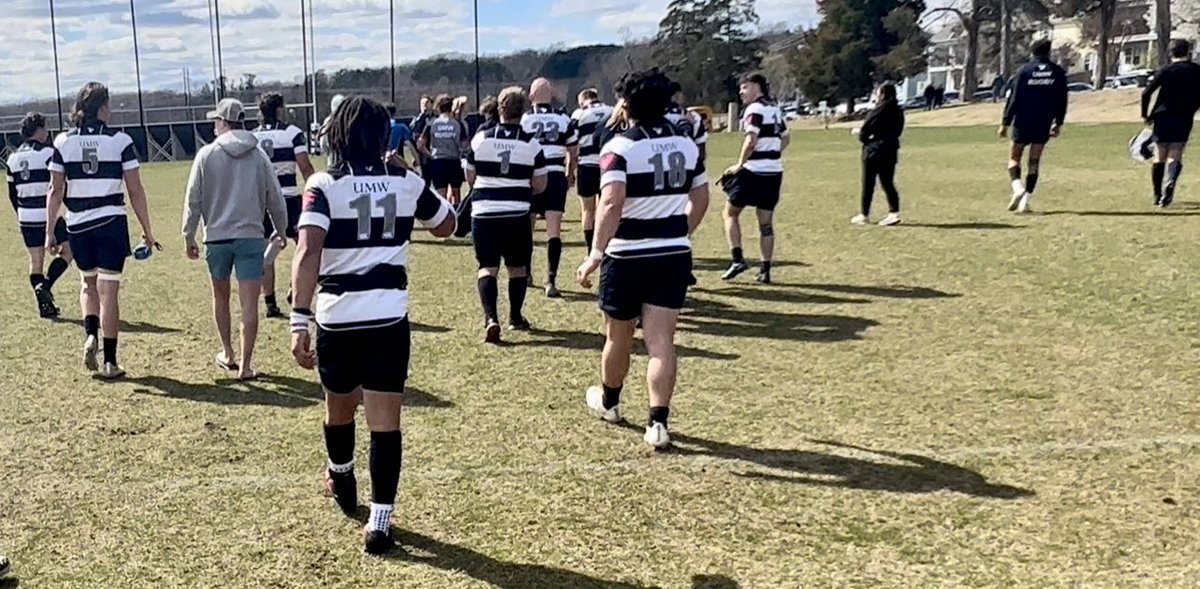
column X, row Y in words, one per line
column 885, row 170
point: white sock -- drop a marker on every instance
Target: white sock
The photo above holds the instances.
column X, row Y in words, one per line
column 1018, row 187
column 381, row 518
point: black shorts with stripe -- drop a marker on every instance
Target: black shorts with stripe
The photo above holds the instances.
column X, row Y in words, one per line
column 750, row 189
column 554, row 199
column 503, row 239
column 35, row 235
column 104, row 247
column 629, row 283
column 375, row 358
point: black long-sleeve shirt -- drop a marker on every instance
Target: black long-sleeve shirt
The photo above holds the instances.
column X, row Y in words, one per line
column 882, row 130
column 1178, row 87
column 1038, row 97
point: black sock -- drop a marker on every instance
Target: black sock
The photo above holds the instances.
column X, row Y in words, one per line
column 660, row 415
column 516, row 296
column 766, row 266
column 737, row 255
column 489, row 291
column 612, row 396
column 110, row 350
column 1014, row 173
column 36, row 280
column 1031, row 182
column 387, row 455
column 58, row 267
column 1158, row 171
column 270, row 300
column 1174, row 170
column 554, row 253
column 91, row 325
column 589, row 236
column 339, row 445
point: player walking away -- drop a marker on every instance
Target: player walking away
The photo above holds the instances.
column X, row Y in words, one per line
column 505, row 167
column 643, row 251
column 287, row 149
column 442, row 144
column 354, row 241
column 590, row 116
column 1035, row 111
column 880, row 137
column 92, row 168
column 757, row 179
column 1178, row 88
column 28, row 183
column 556, row 132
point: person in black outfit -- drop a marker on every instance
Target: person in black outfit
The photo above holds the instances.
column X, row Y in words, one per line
column 1178, row 88
column 1036, row 110
column 880, row 136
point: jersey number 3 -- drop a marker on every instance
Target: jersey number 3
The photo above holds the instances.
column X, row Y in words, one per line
column 365, row 206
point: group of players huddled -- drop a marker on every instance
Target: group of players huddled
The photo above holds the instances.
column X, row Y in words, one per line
column 639, row 170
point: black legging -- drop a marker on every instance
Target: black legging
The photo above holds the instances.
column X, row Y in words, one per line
column 885, row 169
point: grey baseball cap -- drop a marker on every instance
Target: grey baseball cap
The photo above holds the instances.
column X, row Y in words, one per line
column 229, row 109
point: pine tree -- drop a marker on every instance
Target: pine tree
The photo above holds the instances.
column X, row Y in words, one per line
column 707, row 44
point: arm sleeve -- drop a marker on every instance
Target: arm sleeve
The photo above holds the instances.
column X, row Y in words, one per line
column 316, row 207
column 1010, row 105
column 57, row 163
column 572, row 133
column 612, row 168
column 701, row 175
column 276, row 207
column 1061, row 97
column 1148, row 94
column 539, row 162
column 868, row 128
column 432, row 209
column 753, row 122
column 129, row 158
column 191, row 206
column 12, row 189
column 299, row 142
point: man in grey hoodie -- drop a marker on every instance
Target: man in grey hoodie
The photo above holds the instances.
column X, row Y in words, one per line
column 231, row 187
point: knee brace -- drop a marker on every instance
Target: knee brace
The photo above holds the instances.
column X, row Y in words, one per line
column 766, row 230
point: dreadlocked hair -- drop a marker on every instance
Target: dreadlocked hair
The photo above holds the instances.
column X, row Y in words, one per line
column 358, row 130
column 92, row 97
column 269, row 105
column 646, row 94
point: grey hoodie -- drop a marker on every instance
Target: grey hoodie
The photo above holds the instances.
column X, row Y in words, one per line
column 231, row 186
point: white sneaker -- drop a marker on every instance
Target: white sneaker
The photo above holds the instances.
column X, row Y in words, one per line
column 90, row 346
column 859, row 220
column 111, row 371
column 1023, row 207
column 657, row 436
column 595, row 403
column 1015, row 202
column 891, row 220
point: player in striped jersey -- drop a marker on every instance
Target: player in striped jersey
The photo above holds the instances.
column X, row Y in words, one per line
column 92, row 168
column 28, row 183
column 689, row 123
column 757, row 179
column 557, row 133
column 355, row 233
column 287, row 148
column 590, row 116
column 505, row 167
column 654, row 195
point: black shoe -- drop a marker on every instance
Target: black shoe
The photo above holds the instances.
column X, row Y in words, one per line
column 289, row 297
column 552, row 291
column 520, row 324
column 1167, row 201
column 273, row 311
column 378, row 543
column 735, row 270
column 45, row 302
column 764, row 277
column 491, row 332
column 344, row 488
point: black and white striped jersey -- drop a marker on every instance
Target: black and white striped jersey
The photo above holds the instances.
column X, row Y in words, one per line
column 29, row 182
column 766, row 121
column 94, row 159
column 689, row 124
column 368, row 213
column 587, row 119
column 555, row 130
column 659, row 169
column 282, row 143
column 505, row 160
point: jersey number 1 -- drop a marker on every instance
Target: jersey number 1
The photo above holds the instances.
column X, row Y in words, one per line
column 364, row 205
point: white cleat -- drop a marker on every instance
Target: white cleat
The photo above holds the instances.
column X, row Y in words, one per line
column 859, row 220
column 111, row 371
column 891, row 220
column 595, row 403
column 1015, row 203
column 90, row 347
column 657, row 436
column 1023, row 206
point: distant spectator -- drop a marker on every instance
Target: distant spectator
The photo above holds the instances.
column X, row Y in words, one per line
column 930, row 96
column 998, row 88
column 880, row 136
column 401, row 137
column 417, row 126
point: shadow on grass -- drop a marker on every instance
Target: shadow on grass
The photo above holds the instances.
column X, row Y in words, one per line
column 918, row 474
column 128, row 327
column 10, row 583
column 268, row 391
column 583, row 340
column 709, row 317
column 1176, row 211
column 721, row 264
column 495, row 572
column 883, row 292
column 425, row 328
column 982, row 226
column 777, row 295
column 713, row 582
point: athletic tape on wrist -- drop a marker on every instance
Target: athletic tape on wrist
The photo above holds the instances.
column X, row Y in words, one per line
column 300, row 320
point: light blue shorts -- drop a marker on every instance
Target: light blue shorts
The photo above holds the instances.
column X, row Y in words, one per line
column 243, row 255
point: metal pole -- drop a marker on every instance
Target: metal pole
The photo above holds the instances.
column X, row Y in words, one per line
column 212, row 44
column 220, row 55
column 392, row 36
column 304, row 50
column 313, row 56
column 478, row 101
column 62, row 125
column 137, row 68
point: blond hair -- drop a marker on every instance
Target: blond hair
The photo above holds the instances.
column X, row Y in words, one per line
column 513, row 103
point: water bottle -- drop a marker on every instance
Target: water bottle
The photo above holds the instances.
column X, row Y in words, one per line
column 142, row 252
column 273, row 249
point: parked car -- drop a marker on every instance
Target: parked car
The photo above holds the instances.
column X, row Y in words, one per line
column 915, row 103
column 1080, row 87
column 1128, row 81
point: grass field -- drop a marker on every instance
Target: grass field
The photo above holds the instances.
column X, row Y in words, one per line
column 971, row 400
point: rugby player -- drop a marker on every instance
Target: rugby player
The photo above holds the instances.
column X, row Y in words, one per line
column 757, row 179
column 559, row 138
column 505, row 167
column 1173, row 115
column 354, row 241
column 590, row 116
column 654, row 193
column 28, row 183
column 689, row 123
column 92, row 168
column 1035, row 112
column 442, row 143
column 287, row 148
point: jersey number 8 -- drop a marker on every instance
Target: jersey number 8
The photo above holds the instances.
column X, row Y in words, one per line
column 364, row 204
column 268, row 147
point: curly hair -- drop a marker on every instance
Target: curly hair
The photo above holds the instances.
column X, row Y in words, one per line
column 647, row 94
column 31, row 124
column 269, row 106
column 359, row 129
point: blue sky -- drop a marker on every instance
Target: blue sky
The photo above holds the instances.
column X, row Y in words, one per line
column 263, row 36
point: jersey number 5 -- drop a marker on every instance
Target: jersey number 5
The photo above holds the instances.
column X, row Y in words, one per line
column 365, row 205
column 91, row 161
